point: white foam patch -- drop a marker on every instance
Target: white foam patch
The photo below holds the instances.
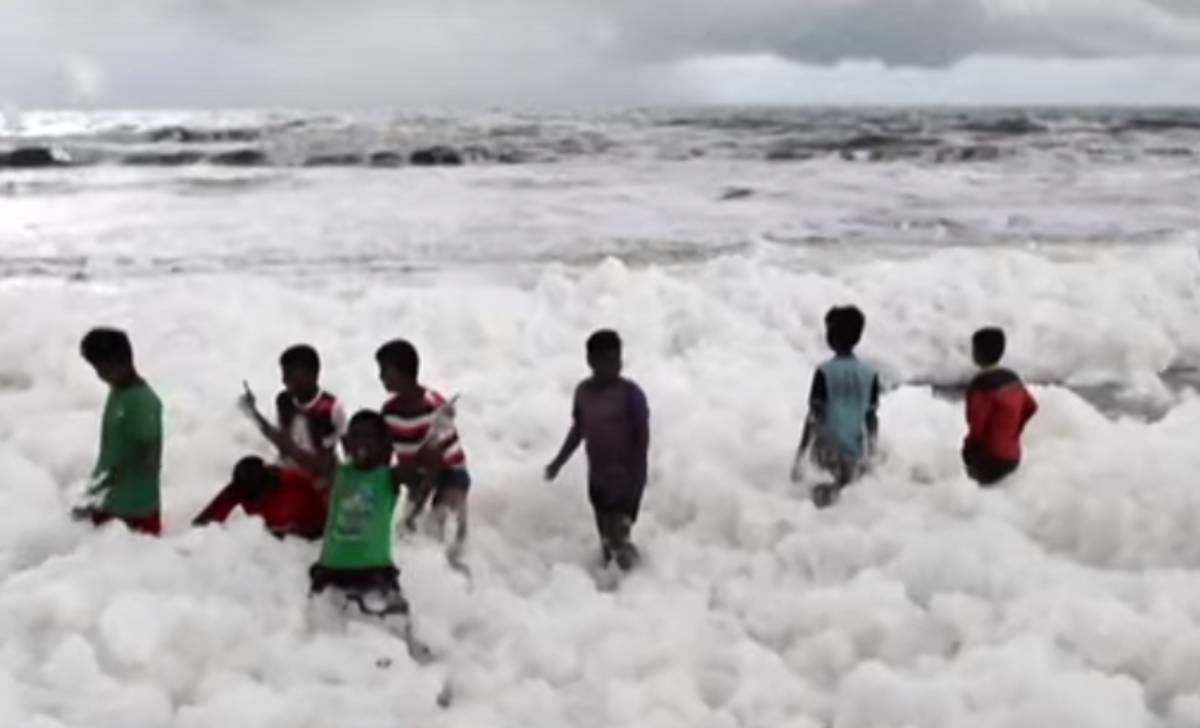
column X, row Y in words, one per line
column 1066, row 598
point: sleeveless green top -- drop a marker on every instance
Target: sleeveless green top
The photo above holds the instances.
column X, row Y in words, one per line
column 358, row 533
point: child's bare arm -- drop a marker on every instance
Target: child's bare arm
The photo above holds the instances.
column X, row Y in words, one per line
column 319, row 463
column 873, row 415
column 570, row 444
column 817, row 397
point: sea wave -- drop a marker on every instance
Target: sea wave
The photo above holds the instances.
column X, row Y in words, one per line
column 927, row 137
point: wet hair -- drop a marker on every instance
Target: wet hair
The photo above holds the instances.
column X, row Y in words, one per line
column 844, row 327
column 988, row 345
column 300, row 356
column 251, row 477
column 603, row 341
column 372, row 419
column 106, row 346
column 401, row 355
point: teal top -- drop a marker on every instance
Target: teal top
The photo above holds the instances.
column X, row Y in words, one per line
column 849, row 397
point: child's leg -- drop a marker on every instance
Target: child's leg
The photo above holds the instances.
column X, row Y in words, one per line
column 602, row 530
column 451, row 499
column 376, row 594
column 843, row 467
column 460, row 524
column 615, row 531
column 600, row 514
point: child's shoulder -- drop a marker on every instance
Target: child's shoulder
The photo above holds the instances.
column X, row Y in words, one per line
column 995, row 378
column 327, row 402
column 427, row 399
column 391, row 405
column 632, row 385
column 144, row 393
column 433, row 397
column 847, row 360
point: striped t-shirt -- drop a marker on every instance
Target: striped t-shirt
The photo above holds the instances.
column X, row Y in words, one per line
column 413, row 429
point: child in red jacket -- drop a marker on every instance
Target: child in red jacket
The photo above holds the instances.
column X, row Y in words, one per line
column 998, row 408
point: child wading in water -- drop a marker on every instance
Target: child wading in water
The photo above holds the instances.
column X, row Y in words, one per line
column 426, row 443
column 356, row 563
column 290, row 499
column 127, row 471
column 610, row 414
column 998, row 408
column 843, row 404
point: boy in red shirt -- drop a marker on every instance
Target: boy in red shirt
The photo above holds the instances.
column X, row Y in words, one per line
column 292, row 499
column 998, row 408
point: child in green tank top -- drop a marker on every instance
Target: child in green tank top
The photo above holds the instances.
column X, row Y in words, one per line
column 356, row 563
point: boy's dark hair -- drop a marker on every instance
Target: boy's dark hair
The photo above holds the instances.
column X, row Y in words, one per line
column 844, row 327
column 400, row 354
column 106, row 346
column 301, row 356
column 603, row 341
column 250, row 477
column 988, row 345
column 372, row 419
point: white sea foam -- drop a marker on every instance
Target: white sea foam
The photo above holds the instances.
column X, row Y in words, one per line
column 1067, row 598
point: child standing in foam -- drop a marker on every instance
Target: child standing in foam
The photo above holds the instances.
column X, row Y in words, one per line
column 998, row 408
column 356, row 562
column 610, row 414
column 426, row 443
column 128, row 468
column 291, row 499
column 843, row 420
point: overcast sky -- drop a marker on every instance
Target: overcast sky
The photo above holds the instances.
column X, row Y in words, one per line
column 514, row 53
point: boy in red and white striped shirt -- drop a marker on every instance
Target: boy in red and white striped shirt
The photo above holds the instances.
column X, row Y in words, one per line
column 421, row 422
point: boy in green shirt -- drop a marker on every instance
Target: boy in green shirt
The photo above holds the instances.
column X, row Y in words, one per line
column 126, row 476
column 356, row 551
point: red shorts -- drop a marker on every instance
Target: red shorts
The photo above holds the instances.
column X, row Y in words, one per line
column 150, row 525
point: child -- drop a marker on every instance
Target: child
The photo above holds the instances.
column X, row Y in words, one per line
column 284, row 498
column 289, row 498
column 130, row 462
column 842, row 418
column 426, row 442
column 998, row 408
column 356, row 551
column 610, row 414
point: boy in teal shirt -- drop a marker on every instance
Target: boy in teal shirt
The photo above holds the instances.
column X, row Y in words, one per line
column 126, row 476
column 842, row 419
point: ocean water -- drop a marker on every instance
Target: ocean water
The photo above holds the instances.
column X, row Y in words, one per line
column 714, row 241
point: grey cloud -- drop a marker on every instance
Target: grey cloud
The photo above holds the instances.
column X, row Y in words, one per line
column 920, row 32
column 392, row 52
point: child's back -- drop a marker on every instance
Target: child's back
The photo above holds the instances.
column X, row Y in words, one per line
column 998, row 408
column 842, row 404
column 851, row 392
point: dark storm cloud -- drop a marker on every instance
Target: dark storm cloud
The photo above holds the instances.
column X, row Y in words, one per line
column 390, row 52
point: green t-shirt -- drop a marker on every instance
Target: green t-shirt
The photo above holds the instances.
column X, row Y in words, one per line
column 131, row 451
column 358, row 533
